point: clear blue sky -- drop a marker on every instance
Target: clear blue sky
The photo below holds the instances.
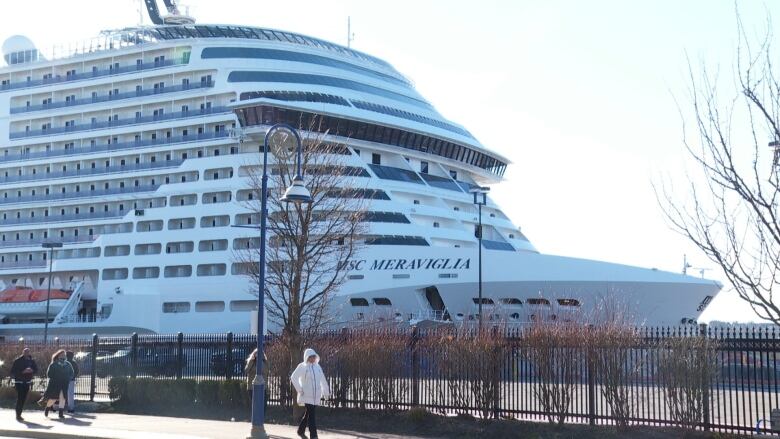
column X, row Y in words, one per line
column 579, row 95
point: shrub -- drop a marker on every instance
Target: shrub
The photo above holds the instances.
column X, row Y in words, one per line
column 117, row 387
column 232, row 394
column 686, row 367
column 615, row 363
column 555, row 350
column 207, row 393
column 470, row 366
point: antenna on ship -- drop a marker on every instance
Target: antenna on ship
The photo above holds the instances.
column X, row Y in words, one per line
column 686, row 265
column 350, row 34
column 173, row 17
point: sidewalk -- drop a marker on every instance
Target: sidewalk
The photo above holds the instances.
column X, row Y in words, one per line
column 112, row 425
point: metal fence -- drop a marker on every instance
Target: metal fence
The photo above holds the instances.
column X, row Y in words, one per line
column 413, row 368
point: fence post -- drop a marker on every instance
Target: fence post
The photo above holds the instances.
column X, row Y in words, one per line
column 229, row 357
column 591, row 369
column 179, row 354
column 705, row 396
column 134, row 355
column 497, row 373
column 415, row 367
column 93, row 369
column 343, row 380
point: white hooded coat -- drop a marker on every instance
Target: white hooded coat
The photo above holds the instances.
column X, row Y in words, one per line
column 309, row 380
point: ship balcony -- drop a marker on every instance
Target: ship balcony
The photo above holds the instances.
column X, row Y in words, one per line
column 116, row 97
column 114, row 147
column 63, row 218
column 37, row 242
column 120, row 122
column 59, row 79
column 77, row 195
column 23, row 264
column 77, row 173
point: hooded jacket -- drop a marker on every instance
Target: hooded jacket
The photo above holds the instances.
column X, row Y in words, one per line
column 309, row 380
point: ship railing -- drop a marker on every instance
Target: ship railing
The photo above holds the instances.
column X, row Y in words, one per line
column 93, row 74
column 84, row 194
column 84, row 318
column 114, row 146
column 72, row 305
column 38, row 242
column 430, row 315
column 22, row 264
column 62, row 218
column 92, row 171
column 114, row 97
column 120, row 122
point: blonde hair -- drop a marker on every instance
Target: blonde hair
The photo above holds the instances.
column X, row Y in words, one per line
column 57, row 354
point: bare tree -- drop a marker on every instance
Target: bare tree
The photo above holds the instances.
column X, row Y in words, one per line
column 731, row 209
column 309, row 245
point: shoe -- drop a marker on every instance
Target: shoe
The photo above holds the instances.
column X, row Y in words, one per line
column 61, row 415
column 46, row 412
column 71, row 411
column 19, row 418
column 302, row 435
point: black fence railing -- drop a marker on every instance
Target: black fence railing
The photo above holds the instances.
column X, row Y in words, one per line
column 504, row 374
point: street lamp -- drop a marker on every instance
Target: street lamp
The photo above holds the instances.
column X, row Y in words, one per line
column 297, row 193
column 51, row 246
column 480, row 199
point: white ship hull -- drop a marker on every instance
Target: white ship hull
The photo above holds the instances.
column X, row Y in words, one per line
column 124, row 153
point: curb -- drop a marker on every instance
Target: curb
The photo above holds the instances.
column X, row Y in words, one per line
column 44, row 434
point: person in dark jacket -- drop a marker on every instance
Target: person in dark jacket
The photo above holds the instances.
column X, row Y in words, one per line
column 22, row 371
column 72, row 384
column 60, row 373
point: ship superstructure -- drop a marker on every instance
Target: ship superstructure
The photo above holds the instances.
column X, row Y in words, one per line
column 126, row 150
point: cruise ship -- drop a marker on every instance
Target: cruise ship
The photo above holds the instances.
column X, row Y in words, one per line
column 129, row 151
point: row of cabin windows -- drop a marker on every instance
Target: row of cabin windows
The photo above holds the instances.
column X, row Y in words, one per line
column 530, row 301
column 156, row 113
column 209, row 306
column 379, row 301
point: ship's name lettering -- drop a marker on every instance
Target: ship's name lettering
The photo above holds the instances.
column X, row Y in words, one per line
column 409, row 264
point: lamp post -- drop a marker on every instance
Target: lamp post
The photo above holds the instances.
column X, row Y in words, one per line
column 51, row 246
column 480, row 199
column 296, row 193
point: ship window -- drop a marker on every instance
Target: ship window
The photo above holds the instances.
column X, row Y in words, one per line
column 485, row 301
column 376, row 159
column 210, row 306
column 424, row 167
column 382, row 301
column 176, row 307
column 568, row 302
column 358, row 301
column 538, row 301
column 243, row 305
column 511, row 301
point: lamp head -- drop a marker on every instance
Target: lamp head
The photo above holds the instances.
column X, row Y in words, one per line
column 297, row 192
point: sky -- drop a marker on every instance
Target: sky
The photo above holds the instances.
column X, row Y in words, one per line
column 583, row 97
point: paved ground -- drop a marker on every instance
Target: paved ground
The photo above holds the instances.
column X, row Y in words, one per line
column 110, row 425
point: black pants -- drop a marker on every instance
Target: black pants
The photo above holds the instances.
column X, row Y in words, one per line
column 309, row 418
column 22, row 389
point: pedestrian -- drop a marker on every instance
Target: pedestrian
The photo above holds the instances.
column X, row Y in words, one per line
column 22, row 371
column 72, row 384
column 311, row 385
column 250, row 369
column 60, row 373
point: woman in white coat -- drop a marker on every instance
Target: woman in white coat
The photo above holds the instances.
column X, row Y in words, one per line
column 311, row 385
